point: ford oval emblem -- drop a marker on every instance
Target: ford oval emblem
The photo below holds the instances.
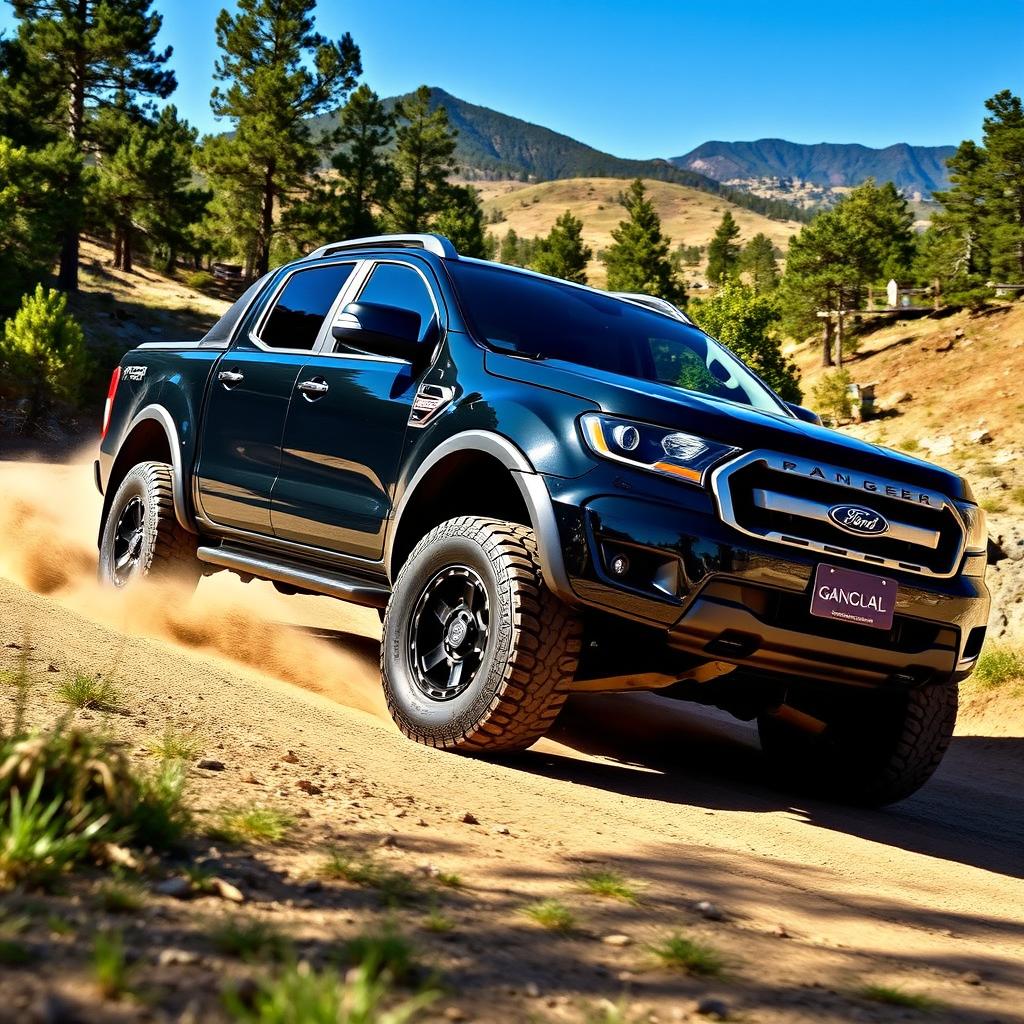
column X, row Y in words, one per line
column 858, row 519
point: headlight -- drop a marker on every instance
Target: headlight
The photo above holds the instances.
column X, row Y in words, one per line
column 977, row 527
column 658, row 449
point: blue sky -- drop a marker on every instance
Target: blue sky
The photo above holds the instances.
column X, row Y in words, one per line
column 656, row 78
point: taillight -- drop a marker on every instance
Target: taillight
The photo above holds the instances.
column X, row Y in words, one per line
column 108, row 405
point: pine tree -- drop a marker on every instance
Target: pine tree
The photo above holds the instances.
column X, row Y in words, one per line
column 724, row 251
column 562, row 253
column 639, row 261
column 82, row 56
column 962, row 221
column 758, row 262
column 423, row 158
column 462, row 221
column 509, row 251
column 277, row 72
column 1002, row 176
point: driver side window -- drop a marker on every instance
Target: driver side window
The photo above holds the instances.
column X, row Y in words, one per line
column 395, row 284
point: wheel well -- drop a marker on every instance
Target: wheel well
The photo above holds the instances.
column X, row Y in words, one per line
column 146, row 443
column 468, row 483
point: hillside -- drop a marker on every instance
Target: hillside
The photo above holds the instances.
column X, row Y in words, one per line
column 494, row 145
column 917, row 170
column 689, row 216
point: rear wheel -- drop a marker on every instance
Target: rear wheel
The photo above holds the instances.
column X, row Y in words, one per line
column 141, row 536
column 877, row 746
column 477, row 654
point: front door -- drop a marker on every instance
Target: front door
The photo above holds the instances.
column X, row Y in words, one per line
column 249, row 396
column 346, row 428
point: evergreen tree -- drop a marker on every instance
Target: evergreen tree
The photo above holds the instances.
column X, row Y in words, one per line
column 424, row 159
column 562, row 253
column 758, row 262
column 724, row 250
column 509, row 251
column 962, row 221
column 1002, row 178
column 638, row 260
column 746, row 321
column 277, row 72
column 462, row 221
column 80, row 57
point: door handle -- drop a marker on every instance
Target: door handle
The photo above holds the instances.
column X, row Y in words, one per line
column 314, row 388
column 229, row 378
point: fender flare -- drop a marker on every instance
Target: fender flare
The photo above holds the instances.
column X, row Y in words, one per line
column 160, row 415
column 531, row 487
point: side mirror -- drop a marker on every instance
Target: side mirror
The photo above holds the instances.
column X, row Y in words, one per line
column 380, row 330
column 807, row 415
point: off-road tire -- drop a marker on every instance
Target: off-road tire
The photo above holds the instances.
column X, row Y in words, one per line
column 531, row 652
column 877, row 747
column 167, row 551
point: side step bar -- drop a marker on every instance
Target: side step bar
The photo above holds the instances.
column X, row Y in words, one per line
column 303, row 577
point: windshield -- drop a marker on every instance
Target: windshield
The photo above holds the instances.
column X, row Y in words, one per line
column 546, row 319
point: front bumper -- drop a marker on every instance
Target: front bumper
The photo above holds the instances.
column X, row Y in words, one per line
column 714, row 592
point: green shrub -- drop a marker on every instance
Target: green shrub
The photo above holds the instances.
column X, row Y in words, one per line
column 683, row 954
column 88, row 692
column 999, row 665
column 200, row 280
column 42, row 353
column 250, row 825
column 832, row 395
column 552, row 915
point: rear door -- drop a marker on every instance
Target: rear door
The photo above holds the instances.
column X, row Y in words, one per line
column 346, row 425
column 248, row 403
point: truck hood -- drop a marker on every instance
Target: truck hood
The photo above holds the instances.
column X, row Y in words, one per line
column 727, row 422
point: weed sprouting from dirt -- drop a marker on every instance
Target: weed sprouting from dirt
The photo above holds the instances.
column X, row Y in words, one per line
column 120, row 896
column 608, row 883
column 998, row 666
column 680, row 953
column 110, row 965
column 250, row 825
column 889, row 995
column 89, row 693
column 357, row 869
column 250, row 940
column 449, row 879
column 175, row 744
column 552, row 915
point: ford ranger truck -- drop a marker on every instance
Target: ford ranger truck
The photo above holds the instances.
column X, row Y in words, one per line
column 548, row 489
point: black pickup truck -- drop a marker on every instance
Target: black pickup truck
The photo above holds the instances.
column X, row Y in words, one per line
column 549, row 489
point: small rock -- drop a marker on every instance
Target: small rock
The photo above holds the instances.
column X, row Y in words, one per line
column 177, row 888
column 423, row 824
column 210, row 765
column 971, row 978
column 616, row 939
column 980, row 437
column 308, row 787
column 226, row 891
column 709, row 911
column 502, row 830
column 388, row 842
column 251, row 780
column 313, row 885
column 176, row 957
column 52, row 668
column 780, row 932
column 469, row 818
column 454, row 1013
column 532, row 990
column 291, row 757
column 716, row 1009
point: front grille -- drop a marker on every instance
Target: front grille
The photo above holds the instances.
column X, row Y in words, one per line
column 787, row 500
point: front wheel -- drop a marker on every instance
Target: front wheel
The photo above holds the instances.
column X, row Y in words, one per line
column 477, row 654
column 141, row 536
column 877, row 747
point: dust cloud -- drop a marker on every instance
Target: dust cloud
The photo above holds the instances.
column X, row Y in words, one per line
column 49, row 517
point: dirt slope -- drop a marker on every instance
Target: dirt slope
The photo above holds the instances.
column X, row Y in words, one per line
column 688, row 217
column 927, row 896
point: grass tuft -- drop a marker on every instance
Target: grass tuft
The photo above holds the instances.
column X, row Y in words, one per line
column 109, row 966
column 350, row 866
column 609, row 884
column 120, row 896
column 250, row 825
column 449, row 879
column 89, row 693
column 250, row 940
column 684, row 954
column 384, row 952
column 552, row 915
column 175, row 745
column 892, row 996
column 998, row 666
column 438, row 922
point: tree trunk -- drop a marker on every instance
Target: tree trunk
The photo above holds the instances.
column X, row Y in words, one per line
column 117, row 247
column 126, row 249
column 266, row 223
column 826, row 341
column 839, row 339
column 67, row 278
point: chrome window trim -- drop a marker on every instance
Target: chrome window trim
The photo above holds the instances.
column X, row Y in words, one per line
column 774, row 460
column 254, row 332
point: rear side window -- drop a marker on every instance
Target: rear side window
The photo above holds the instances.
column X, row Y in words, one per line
column 394, row 284
column 303, row 304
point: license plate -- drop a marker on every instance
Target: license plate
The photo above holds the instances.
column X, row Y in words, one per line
column 855, row 597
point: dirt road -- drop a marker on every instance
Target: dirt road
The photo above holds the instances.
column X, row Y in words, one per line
column 819, row 900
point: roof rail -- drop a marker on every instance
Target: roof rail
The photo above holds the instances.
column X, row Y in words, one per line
column 437, row 244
